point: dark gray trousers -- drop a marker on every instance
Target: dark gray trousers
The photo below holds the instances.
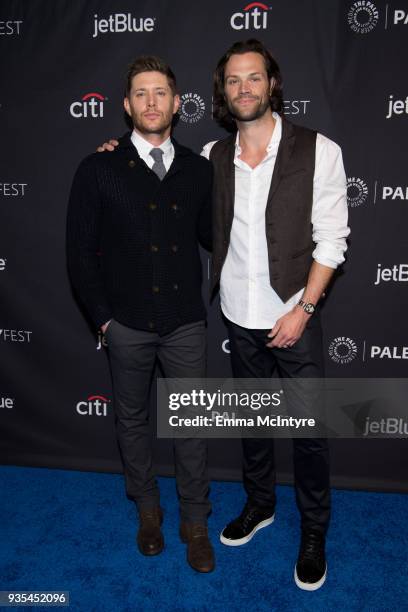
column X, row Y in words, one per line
column 133, row 354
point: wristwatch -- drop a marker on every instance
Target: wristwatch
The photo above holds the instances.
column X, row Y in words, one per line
column 309, row 308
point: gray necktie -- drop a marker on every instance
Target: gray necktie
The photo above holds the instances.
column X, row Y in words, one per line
column 158, row 166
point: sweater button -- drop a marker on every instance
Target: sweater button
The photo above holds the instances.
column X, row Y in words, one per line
column 132, row 163
column 155, row 289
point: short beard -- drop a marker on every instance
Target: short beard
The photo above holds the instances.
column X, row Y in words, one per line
column 257, row 114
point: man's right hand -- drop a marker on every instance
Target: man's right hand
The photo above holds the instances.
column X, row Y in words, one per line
column 108, row 146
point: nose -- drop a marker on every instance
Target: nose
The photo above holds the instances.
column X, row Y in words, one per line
column 151, row 100
column 244, row 87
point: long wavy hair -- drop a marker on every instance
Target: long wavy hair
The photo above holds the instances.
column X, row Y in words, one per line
column 220, row 108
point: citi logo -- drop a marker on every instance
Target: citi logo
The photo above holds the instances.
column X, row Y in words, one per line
column 254, row 15
column 395, row 193
column 2, row 264
column 398, row 273
column 95, row 405
column 389, row 352
column 15, row 335
column 6, row 402
column 397, row 107
column 357, row 191
column 121, row 22
column 91, row 105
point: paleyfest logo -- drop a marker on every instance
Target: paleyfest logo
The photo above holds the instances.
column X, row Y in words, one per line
column 342, row 350
column 362, row 16
column 192, row 108
column 253, row 15
column 357, row 191
column 95, row 405
column 91, row 105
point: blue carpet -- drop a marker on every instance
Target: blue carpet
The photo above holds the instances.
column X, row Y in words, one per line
column 75, row 531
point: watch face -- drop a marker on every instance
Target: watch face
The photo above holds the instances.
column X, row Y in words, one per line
column 309, row 308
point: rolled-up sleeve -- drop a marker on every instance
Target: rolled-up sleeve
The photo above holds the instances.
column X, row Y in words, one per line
column 329, row 211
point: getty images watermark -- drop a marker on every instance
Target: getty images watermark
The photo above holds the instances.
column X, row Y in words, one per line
column 287, row 408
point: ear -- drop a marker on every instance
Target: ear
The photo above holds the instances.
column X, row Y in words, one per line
column 176, row 104
column 127, row 106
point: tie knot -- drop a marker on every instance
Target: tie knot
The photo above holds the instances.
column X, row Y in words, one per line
column 157, row 154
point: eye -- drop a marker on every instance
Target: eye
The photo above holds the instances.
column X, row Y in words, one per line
column 161, row 93
column 232, row 81
column 139, row 94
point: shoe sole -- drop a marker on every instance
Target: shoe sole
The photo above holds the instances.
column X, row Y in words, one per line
column 310, row 586
column 250, row 535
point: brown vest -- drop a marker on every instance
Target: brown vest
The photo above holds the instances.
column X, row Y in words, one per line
column 288, row 209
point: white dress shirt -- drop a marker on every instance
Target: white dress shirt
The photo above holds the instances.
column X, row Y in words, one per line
column 144, row 147
column 247, row 297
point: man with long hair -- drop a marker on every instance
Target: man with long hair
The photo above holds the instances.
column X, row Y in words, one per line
column 280, row 228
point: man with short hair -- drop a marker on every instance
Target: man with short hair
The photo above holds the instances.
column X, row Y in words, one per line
column 280, row 228
column 134, row 220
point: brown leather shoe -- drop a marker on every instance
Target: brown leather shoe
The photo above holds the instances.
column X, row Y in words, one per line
column 200, row 553
column 149, row 537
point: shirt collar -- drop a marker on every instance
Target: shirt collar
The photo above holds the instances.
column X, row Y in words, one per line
column 144, row 147
column 275, row 138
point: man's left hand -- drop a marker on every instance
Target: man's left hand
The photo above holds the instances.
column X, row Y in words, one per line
column 288, row 329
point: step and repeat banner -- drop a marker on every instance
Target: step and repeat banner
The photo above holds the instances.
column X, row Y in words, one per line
column 62, row 69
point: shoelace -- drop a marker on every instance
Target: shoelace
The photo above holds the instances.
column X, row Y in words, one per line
column 311, row 545
column 199, row 531
column 247, row 516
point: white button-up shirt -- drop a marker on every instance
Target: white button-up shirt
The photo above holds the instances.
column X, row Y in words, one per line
column 247, row 297
column 144, row 147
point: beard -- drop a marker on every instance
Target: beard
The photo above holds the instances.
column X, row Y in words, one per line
column 146, row 127
column 242, row 114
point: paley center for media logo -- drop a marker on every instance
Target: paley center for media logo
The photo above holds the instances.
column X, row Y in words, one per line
column 343, row 350
column 192, row 107
column 90, row 105
column 95, row 405
column 253, row 16
column 295, row 107
column 362, row 16
column 2, row 264
column 357, row 191
column 121, row 22
column 15, row 335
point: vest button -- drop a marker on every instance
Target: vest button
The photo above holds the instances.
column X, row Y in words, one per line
column 154, row 248
column 174, row 248
column 175, row 286
column 152, row 206
column 132, row 163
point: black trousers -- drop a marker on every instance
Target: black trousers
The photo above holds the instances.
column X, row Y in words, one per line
column 252, row 359
column 132, row 355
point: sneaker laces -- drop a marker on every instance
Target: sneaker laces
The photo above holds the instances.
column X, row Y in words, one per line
column 311, row 547
column 247, row 515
